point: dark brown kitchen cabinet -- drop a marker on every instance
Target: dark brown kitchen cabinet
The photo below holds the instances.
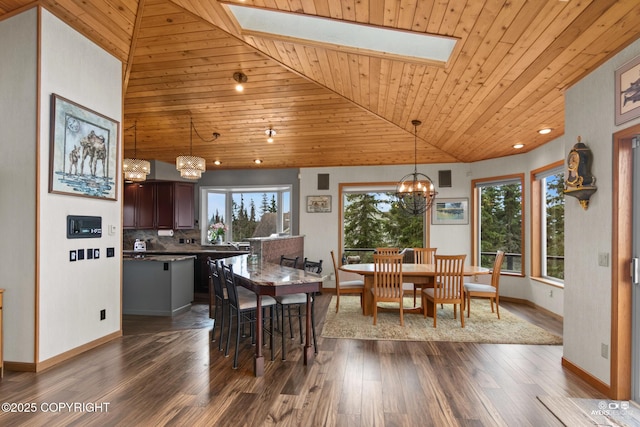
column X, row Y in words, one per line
column 164, row 205
column 139, row 205
column 183, row 205
column 158, row 205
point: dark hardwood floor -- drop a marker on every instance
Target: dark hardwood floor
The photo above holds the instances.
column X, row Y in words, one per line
column 167, row 372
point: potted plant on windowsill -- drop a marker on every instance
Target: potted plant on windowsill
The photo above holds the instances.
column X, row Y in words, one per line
column 216, row 233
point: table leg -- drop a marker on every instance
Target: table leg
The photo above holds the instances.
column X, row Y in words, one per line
column 258, row 366
column 308, row 349
column 367, row 297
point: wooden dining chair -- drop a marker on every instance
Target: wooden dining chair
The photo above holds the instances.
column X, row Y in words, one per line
column 387, row 282
column 422, row 256
column 480, row 290
column 448, row 287
column 346, row 287
column 387, row 251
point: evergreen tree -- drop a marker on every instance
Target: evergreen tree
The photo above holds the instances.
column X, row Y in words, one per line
column 555, row 225
column 274, row 206
column 362, row 220
column 264, row 206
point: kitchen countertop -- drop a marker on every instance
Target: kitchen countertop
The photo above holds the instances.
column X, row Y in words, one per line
column 187, row 250
column 158, row 258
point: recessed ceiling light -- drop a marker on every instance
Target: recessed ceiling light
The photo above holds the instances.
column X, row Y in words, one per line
column 240, row 78
column 518, row 146
column 217, row 162
column 544, row 131
column 257, row 161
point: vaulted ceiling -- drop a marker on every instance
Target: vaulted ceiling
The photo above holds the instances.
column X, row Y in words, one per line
column 331, row 106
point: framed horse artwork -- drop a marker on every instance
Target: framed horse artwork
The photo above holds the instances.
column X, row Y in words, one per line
column 83, row 155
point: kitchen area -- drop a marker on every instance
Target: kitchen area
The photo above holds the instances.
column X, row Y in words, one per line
column 164, row 261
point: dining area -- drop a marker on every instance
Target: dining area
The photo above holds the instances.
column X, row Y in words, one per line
column 424, row 276
column 247, row 291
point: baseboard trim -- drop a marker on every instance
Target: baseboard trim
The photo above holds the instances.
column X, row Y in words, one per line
column 586, row 377
column 20, row 366
column 531, row 304
column 45, row 364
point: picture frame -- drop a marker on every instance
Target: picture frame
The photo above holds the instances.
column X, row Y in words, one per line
column 453, row 211
column 83, row 157
column 627, row 95
column 318, row 204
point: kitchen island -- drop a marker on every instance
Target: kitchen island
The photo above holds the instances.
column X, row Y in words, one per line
column 157, row 285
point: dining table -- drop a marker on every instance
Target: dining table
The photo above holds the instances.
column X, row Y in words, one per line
column 266, row 278
column 422, row 274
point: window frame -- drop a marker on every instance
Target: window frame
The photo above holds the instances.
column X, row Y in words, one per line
column 536, row 224
column 476, row 184
column 360, row 187
column 228, row 191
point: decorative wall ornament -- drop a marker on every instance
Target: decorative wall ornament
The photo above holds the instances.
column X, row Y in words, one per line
column 579, row 182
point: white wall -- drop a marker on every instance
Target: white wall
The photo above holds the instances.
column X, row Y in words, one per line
column 18, row 50
column 590, row 114
column 321, row 230
column 71, row 294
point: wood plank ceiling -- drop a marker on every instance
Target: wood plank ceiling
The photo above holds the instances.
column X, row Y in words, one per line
column 505, row 80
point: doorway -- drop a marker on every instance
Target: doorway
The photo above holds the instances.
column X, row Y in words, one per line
column 624, row 357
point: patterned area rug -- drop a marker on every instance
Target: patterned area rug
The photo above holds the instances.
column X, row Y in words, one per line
column 592, row 412
column 483, row 326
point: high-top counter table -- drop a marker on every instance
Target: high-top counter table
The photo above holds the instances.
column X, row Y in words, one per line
column 157, row 285
column 265, row 278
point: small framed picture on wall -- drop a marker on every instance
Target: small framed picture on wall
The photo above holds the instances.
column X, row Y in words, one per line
column 318, row 204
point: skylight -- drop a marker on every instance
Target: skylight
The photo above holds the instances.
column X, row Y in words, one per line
column 340, row 35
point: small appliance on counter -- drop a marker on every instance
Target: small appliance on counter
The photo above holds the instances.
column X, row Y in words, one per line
column 139, row 248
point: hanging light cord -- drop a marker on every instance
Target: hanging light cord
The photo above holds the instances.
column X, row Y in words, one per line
column 135, row 138
column 216, row 135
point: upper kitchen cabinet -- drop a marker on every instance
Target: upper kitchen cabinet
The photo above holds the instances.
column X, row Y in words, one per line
column 158, row 205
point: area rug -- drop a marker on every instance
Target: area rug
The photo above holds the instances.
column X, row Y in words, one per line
column 592, row 412
column 482, row 327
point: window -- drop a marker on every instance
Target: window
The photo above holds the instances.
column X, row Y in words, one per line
column 371, row 218
column 498, row 225
column 547, row 217
column 246, row 211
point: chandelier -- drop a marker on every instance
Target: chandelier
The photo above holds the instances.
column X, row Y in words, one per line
column 135, row 169
column 191, row 167
column 415, row 192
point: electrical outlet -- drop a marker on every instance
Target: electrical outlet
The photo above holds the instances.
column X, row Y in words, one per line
column 103, row 314
column 604, row 350
column 550, row 293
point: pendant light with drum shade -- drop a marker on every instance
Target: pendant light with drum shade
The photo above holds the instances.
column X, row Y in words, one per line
column 415, row 192
column 190, row 167
column 134, row 169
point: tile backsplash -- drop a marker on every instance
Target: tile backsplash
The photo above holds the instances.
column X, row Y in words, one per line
column 159, row 243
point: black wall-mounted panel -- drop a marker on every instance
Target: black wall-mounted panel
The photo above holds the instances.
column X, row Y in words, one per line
column 82, row 227
column 444, row 179
column 323, row 181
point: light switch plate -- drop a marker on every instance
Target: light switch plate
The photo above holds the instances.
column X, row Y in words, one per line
column 72, row 256
column 96, row 253
column 603, row 259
